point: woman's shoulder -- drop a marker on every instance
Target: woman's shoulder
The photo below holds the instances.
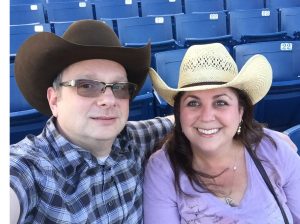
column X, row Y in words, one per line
column 277, row 149
column 160, row 155
column 160, row 159
column 281, row 139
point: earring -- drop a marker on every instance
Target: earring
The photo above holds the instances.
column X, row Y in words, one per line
column 239, row 130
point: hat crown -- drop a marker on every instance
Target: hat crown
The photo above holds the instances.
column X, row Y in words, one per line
column 207, row 64
column 91, row 33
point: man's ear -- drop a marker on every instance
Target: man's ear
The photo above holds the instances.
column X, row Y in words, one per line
column 52, row 96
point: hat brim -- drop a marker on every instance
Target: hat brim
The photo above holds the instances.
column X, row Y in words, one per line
column 255, row 78
column 43, row 56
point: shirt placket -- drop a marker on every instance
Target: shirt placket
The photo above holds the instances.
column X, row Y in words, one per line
column 110, row 197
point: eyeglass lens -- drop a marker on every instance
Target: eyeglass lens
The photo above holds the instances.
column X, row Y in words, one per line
column 91, row 88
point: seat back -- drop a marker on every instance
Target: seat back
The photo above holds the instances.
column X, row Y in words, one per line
column 27, row 14
column 276, row 4
column 55, row 1
column 290, row 18
column 244, row 5
column 280, row 109
column 161, row 7
column 22, row 2
column 19, row 33
column 108, row 9
column 283, row 57
column 142, row 106
column 69, row 11
column 24, row 119
column 17, row 100
column 200, row 27
column 60, row 28
column 254, row 25
column 139, row 31
column 203, row 5
column 294, row 134
column 167, row 65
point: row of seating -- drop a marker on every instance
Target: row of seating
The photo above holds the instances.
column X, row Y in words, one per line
column 71, row 11
column 170, row 32
column 280, row 109
column 162, row 7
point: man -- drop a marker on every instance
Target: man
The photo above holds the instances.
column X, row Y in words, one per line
column 87, row 164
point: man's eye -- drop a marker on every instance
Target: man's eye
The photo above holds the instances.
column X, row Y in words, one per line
column 87, row 86
column 118, row 87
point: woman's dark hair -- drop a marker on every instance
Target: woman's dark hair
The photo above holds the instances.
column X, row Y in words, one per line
column 181, row 154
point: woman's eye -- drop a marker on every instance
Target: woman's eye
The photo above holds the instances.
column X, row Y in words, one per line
column 221, row 103
column 193, row 103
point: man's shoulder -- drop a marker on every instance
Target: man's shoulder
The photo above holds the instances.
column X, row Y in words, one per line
column 31, row 150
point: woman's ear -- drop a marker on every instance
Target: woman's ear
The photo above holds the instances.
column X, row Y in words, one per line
column 241, row 110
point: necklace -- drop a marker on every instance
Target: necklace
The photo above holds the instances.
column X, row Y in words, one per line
column 218, row 189
column 228, row 199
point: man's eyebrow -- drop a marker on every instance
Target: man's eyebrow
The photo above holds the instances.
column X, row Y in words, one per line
column 91, row 76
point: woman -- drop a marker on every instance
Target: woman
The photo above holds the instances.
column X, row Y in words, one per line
column 205, row 172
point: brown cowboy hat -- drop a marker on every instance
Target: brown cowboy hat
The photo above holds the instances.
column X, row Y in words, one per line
column 44, row 55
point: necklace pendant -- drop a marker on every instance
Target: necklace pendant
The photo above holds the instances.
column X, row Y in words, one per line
column 229, row 201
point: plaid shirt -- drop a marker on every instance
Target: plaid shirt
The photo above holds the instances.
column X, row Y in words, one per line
column 58, row 182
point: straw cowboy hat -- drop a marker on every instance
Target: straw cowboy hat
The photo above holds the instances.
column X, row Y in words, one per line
column 210, row 66
column 44, row 56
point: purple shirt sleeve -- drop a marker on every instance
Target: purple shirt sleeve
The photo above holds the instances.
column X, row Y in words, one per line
column 160, row 204
column 286, row 163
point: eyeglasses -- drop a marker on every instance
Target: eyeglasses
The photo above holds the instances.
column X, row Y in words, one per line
column 93, row 88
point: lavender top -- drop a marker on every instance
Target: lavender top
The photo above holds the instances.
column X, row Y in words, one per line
column 162, row 204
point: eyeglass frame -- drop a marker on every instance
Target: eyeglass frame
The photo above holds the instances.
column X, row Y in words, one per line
column 132, row 87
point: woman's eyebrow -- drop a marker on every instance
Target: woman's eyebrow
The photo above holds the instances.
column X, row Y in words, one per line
column 220, row 95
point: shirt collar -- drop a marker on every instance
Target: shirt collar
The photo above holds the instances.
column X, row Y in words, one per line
column 74, row 158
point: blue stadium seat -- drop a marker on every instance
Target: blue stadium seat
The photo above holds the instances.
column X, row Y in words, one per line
column 276, row 4
column 205, row 27
column 135, row 32
column 55, row 1
column 161, row 7
column 280, row 109
column 283, row 56
column 22, row 2
column 142, row 106
column 19, row 33
column 231, row 5
column 255, row 25
column 203, row 6
column 167, row 65
column 23, row 118
column 27, row 14
column 68, row 11
column 60, row 28
column 108, row 9
column 290, row 18
column 294, row 134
